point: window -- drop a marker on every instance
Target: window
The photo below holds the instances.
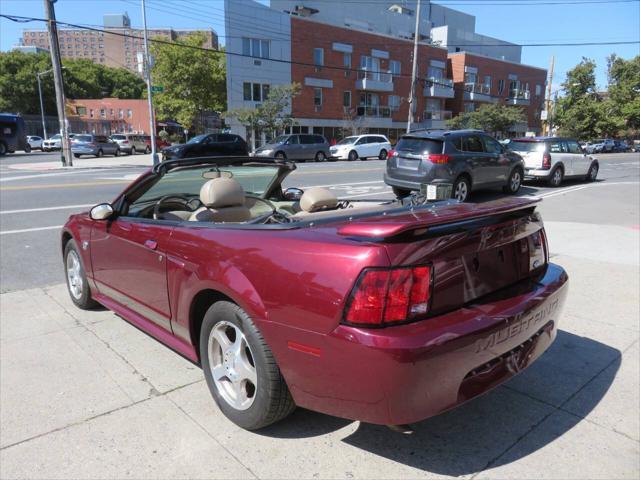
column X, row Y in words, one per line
column 318, row 57
column 129, row 113
column 246, row 46
column 500, row 86
column 487, row 82
column 265, row 91
column 394, row 103
column 265, row 48
column 574, row 147
column 346, row 99
column 257, row 92
column 246, row 91
column 491, row 145
column 472, row 143
column 81, row 110
column 470, row 78
column 102, row 113
column 346, row 60
column 111, row 112
column 469, row 107
column 558, row 147
column 255, row 47
column 317, row 97
column 538, row 89
column 436, row 73
column 394, row 67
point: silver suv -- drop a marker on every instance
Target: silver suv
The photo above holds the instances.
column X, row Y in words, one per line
column 131, row 143
column 296, row 147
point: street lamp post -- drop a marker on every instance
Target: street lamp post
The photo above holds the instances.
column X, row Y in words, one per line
column 44, row 125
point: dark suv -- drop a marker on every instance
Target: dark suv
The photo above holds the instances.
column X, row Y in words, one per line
column 208, row 145
column 468, row 159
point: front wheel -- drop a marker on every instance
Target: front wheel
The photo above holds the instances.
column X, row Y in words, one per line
column 514, row 183
column 240, row 370
column 77, row 285
column 592, row 174
column 353, row 156
column 382, row 155
column 3, row 149
column 117, row 153
column 321, row 157
column 27, row 148
column 555, row 179
column 76, row 155
column 280, row 156
column 147, row 150
column 461, row 189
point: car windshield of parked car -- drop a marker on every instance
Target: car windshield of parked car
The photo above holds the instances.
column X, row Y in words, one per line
column 118, row 137
column 198, row 138
column 526, row 146
column 187, row 182
column 82, row 138
column 347, row 141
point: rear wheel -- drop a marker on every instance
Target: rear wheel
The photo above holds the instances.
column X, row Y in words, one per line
column 592, row 174
column 27, row 148
column 117, row 154
column 353, row 156
column 514, row 183
column 240, row 370
column 76, row 155
column 321, row 157
column 383, row 154
column 461, row 189
column 3, row 149
column 400, row 192
column 555, row 179
column 148, row 149
column 77, row 285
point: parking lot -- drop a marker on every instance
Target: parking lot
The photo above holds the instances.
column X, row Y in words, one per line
column 87, row 395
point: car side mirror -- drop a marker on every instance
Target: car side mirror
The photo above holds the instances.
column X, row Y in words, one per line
column 293, row 194
column 101, row 212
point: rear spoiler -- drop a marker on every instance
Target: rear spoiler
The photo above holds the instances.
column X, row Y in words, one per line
column 456, row 217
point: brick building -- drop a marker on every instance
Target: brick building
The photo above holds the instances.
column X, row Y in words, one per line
column 119, row 50
column 108, row 115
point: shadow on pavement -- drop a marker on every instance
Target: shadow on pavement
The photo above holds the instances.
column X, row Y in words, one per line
column 470, row 438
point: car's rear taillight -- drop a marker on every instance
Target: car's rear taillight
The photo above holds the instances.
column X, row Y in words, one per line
column 126, row 142
column 538, row 250
column 393, row 153
column 387, row 296
column 438, row 158
column 546, row 161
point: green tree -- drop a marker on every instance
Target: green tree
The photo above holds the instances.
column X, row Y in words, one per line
column 273, row 114
column 624, row 92
column 194, row 79
column 82, row 79
column 492, row 117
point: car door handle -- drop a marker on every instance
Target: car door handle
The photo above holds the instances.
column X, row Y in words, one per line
column 151, row 244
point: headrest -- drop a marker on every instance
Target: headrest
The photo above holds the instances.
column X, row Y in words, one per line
column 222, row 192
column 315, row 199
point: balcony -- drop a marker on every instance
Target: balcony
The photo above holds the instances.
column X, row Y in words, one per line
column 374, row 81
column 438, row 87
column 378, row 111
column 435, row 118
column 478, row 92
column 519, row 97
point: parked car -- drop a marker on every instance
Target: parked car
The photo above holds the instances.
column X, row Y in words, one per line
column 96, row 145
column 468, row 159
column 292, row 298
column 301, row 146
column 35, row 142
column 553, row 158
column 12, row 135
column 361, row 146
column 208, row 144
column 131, row 143
column 602, row 146
column 620, row 146
column 54, row 142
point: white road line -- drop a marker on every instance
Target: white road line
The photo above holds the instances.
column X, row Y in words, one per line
column 25, row 230
column 63, row 207
column 344, row 184
column 97, row 172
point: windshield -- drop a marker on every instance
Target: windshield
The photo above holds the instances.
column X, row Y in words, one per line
column 187, row 182
column 118, row 137
column 280, row 139
column 55, row 137
column 82, row 138
column 347, row 141
column 198, row 138
column 524, row 146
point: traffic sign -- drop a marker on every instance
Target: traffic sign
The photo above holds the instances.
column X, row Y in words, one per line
column 157, row 89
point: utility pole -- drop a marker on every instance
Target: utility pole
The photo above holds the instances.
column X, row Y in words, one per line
column 147, row 76
column 65, row 152
column 548, row 100
column 412, row 97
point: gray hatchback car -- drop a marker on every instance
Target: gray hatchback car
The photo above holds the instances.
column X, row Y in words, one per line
column 296, row 147
column 467, row 159
column 96, row 145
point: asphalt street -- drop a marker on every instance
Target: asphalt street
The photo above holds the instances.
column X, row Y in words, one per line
column 34, row 203
column 84, row 394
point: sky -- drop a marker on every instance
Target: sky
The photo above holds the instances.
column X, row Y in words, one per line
column 535, row 22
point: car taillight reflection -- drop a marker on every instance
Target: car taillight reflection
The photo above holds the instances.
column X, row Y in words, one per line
column 386, row 296
column 546, row 161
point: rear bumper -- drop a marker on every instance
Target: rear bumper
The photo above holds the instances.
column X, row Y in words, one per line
column 536, row 174
column 407, row 373
column 413, row 184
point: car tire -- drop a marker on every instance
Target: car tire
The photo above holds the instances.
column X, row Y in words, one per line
column 461, row 189
column 514, row 182
column 27, row 148
column 76, row 278
column 555, row 179
column 246, row 359
column 280, row 156
column 133, row 150
column 3, row 149
column 400, row 192
column 76, row 155
column 147, row 150
column 382, row 155
column 592, row 174
column 321, row 157
column 99, row 153
column 353, row 156
column 117, row 153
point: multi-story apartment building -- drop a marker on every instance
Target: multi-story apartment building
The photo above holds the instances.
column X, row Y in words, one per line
column 117, row 49
column 354, row 65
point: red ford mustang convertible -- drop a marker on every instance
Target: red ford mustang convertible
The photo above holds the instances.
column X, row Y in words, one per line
column 384, row 312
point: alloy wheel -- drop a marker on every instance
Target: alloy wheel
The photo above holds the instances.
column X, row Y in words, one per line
column 232, row 366
column 557, row 177
column 383, row 155
column 593, row 172
column 74, row 275
column 461, row 191
column 320, row 157
column 515, row 181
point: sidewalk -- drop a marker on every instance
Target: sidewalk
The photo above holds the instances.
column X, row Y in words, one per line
column 87, row 395
column 143, row 160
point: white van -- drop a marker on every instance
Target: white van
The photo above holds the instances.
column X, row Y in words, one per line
column 361, row 146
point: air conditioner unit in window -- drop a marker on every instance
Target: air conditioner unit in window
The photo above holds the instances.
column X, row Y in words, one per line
column 318, row 108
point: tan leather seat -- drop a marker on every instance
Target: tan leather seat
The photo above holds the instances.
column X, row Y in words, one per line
column 316, row 199
column 223, row 200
